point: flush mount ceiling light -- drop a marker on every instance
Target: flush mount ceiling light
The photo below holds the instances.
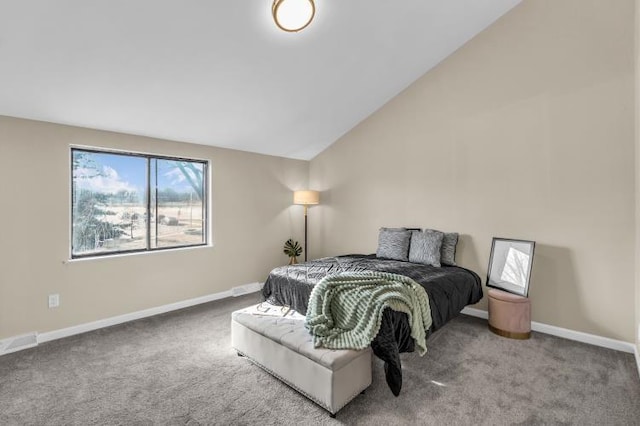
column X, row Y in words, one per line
column 293, row 15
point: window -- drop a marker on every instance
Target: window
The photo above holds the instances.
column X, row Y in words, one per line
column 123, row 203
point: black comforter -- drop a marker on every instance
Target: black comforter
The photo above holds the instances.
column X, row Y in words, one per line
column 450, row 289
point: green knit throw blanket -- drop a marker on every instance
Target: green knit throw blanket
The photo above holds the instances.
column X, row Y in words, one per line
column 345, row 310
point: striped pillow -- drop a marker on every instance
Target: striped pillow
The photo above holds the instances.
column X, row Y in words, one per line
column 393, row 243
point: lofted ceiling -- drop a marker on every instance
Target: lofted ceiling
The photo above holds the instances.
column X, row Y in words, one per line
column 219, row 72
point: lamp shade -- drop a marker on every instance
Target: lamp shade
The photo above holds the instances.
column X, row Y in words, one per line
column 306, row 198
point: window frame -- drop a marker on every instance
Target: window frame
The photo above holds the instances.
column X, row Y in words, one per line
column 206, row 202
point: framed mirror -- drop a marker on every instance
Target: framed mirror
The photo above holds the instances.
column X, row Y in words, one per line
column 510, row 265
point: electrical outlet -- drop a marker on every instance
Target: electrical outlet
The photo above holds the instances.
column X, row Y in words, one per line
column 54, row 300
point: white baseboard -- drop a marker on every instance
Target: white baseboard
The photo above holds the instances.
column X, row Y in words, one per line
column 107, row 322
column 18, row 343
column 246, row 289
column 578, row 336
column 478, row 313
column 253, row 287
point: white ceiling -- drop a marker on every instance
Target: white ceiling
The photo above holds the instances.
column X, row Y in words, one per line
column 219, row 72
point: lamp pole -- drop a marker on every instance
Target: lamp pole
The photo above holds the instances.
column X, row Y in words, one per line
column 305, row 232
column 306, row 198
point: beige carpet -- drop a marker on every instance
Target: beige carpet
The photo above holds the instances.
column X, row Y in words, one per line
column 178, row 369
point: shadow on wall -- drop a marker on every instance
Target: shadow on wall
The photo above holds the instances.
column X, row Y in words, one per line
column 467, row 256
column 555, row 291
column 553, row 279
column 556, row 294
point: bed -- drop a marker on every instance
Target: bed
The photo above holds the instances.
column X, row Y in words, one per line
column 450, row 289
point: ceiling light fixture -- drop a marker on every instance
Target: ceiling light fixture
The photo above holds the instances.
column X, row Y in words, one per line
column 293, row 15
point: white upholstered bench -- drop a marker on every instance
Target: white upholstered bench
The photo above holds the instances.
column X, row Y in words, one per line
column 283, row 347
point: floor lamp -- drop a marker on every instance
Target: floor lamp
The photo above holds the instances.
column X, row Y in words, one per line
column 306, row 198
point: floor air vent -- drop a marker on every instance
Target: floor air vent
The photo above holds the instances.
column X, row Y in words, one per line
column 18, row 343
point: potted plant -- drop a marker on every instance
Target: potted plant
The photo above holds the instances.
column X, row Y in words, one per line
column 293, row 250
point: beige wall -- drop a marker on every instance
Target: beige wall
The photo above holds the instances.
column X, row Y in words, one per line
column 637, row 159
column 252, row 217
column 526, row 132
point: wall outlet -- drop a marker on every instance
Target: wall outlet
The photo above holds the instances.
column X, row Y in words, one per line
column 54, row 300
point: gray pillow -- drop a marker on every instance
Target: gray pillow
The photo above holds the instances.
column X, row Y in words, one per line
column 393, row 243
column 448, row 250
column 425, row 247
